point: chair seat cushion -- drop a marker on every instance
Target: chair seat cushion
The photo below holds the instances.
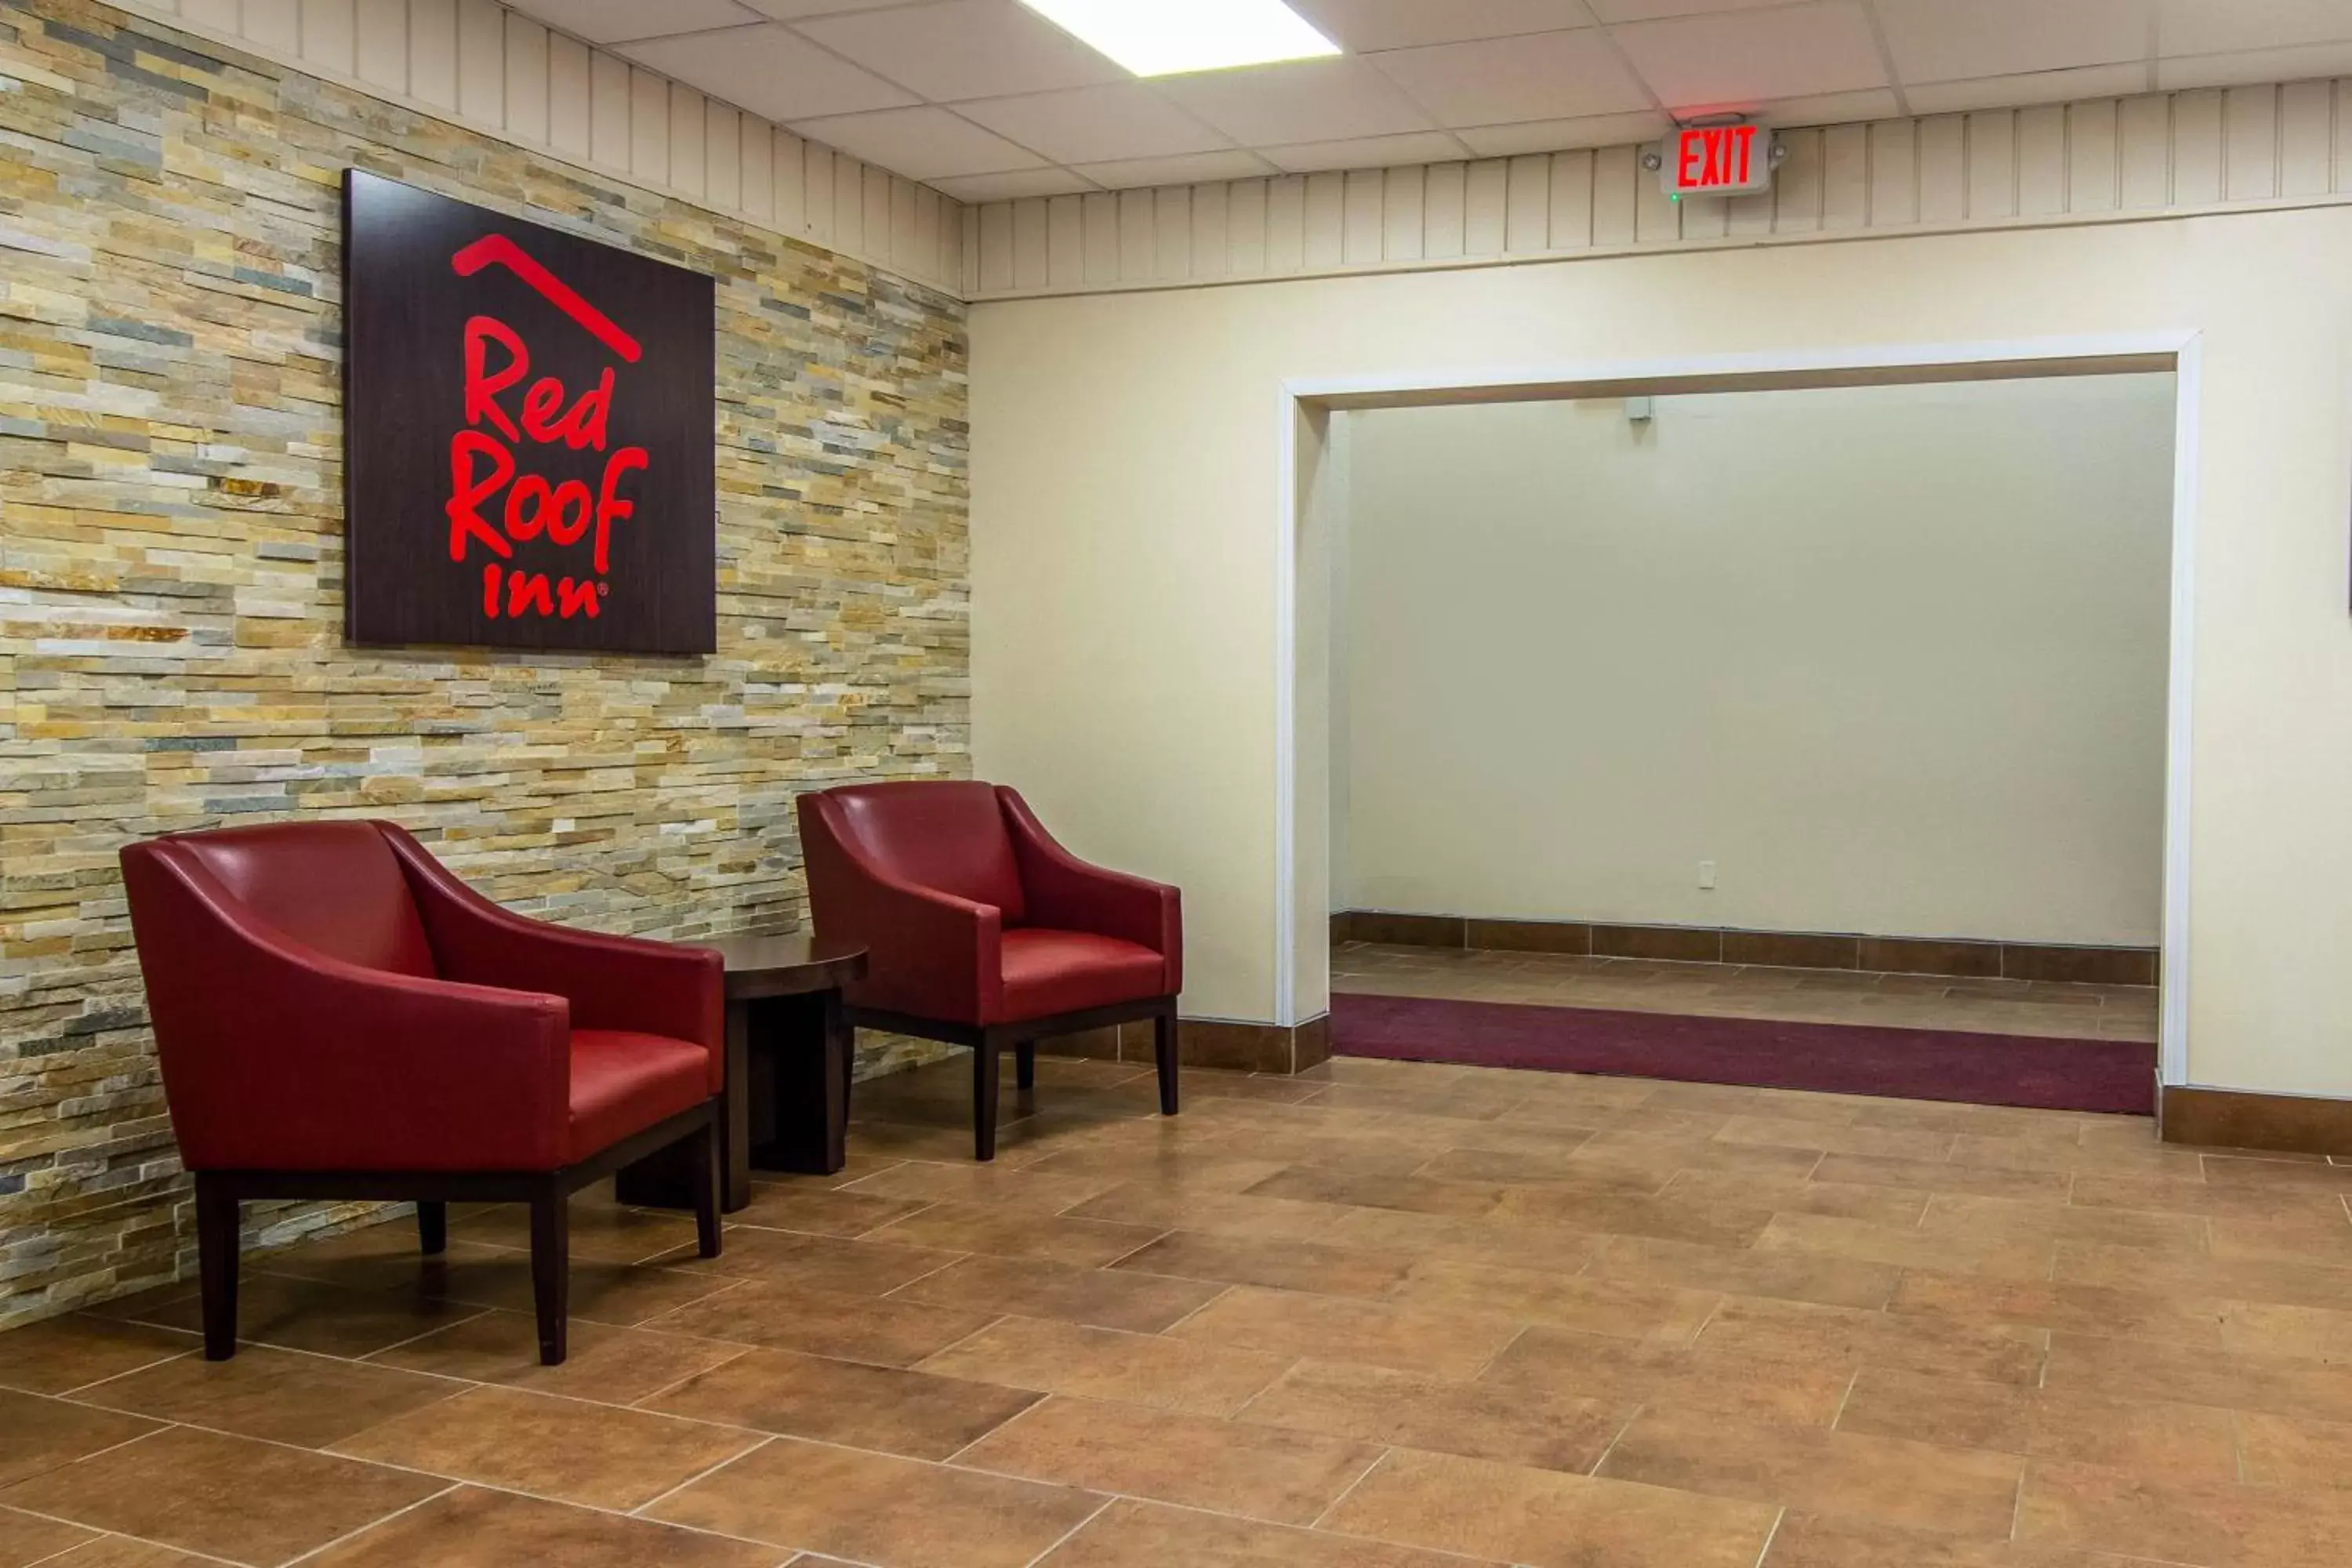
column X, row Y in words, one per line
column 624, row 1082
column 1049, row 972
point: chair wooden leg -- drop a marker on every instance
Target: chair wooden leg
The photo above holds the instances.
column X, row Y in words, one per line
column 432, row 1227
column 983, row 1099
column 551, row 1269
column 1163, row 1052
column 703, row 1150
column 216, row 1224
column 1024, row 1066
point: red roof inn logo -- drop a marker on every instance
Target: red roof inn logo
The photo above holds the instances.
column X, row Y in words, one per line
column 523, row 469
column 482, row 456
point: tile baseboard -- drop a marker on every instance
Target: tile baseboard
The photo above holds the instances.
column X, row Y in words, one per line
column 2233, row 1118
column 1957, row 958
column 1212, row 1043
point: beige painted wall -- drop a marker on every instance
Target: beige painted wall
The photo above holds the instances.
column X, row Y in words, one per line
column 1128, row 525
column 1891, row 658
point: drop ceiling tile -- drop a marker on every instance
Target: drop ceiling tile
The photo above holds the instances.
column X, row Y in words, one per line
column 1563, row 135
column 2233, row 27
column 1365, row 24
column 1830, row 107
column 1936, row 40
column 966, row 48
column 1646, row 10
column 618, row 21
column 1301, row 100
column 2035, row 87
column 1012, row 186
column 2255, row 66
column 1541, row 75
column 794, row 10
column 1192, row 169
column 1095, row 124
column 1367, row 152
column 768, row 70
column 923, row 144
column 1696, row 63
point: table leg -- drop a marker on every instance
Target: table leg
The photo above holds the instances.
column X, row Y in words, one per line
column 800, row 1051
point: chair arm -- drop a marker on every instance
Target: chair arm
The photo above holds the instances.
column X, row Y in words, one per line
column 276, row 1057
column 612, row 981
column 929, row 954
column 1069, row 894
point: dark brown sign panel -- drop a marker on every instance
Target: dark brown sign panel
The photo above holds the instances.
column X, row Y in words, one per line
column 528, row 448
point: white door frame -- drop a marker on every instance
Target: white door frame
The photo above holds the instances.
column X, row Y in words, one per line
column 1831, row 365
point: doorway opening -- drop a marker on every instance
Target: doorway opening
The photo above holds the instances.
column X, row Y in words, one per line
column 1807, row 726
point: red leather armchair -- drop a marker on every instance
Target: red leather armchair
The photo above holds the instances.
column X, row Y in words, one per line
column 337, row 1016
column 981, row 931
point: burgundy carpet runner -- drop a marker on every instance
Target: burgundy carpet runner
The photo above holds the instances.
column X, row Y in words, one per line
column 2116, row 1076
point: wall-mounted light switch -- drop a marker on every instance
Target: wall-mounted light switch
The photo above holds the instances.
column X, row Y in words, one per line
column 1706, row 876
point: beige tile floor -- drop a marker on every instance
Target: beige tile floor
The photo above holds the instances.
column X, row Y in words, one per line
column 1389, row 1315
column 2038, row 1008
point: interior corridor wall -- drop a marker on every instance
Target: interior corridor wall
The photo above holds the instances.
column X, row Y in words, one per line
column 1889, row 660
column 1129, row 522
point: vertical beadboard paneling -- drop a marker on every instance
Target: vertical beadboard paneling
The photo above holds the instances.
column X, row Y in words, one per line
column 1443, row 197
column 772, row 175
column 1943, row 169
column 1403, row 211
column 2250, row 131
column 1246, row 228
column 906, row 245
column 998, row 273
column 221, row 13
column 2196, row 148
column 2144, row 151
column 1031, row 243
column 1527, row 223
column 2343, row 135
column 1571, row 200
column 689, row 156
column 1845, row 177
column 2307, row 138
column 1657, row 217
column 1138, row 253
column 1065, row 242
column 1992, row 164
column 608, row 110
column 1285, row 224
column 379, row 43
column 432, row 52
column 818, row 168
column 2092, row 166
column 1101, row 237
column 567, row 95
column 1362, row 218
column 722, row 157
column 875, row 224
column 482, row 61
column 275, row 26
column 1894, row 173
column 648, row 126
column 1615, row 171
column 1326, row 221
column 1212, row 230
column 1171, row 224
column 1486, row 208
column 330, row 36
column 2042, row 159
column 1799, row 186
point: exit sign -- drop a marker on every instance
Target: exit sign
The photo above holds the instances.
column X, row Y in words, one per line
column 1717, row 161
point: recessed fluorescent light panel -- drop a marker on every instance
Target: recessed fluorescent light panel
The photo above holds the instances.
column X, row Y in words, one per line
column 1165, row 37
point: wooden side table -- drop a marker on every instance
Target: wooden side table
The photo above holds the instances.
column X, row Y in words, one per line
column 790, row 1054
